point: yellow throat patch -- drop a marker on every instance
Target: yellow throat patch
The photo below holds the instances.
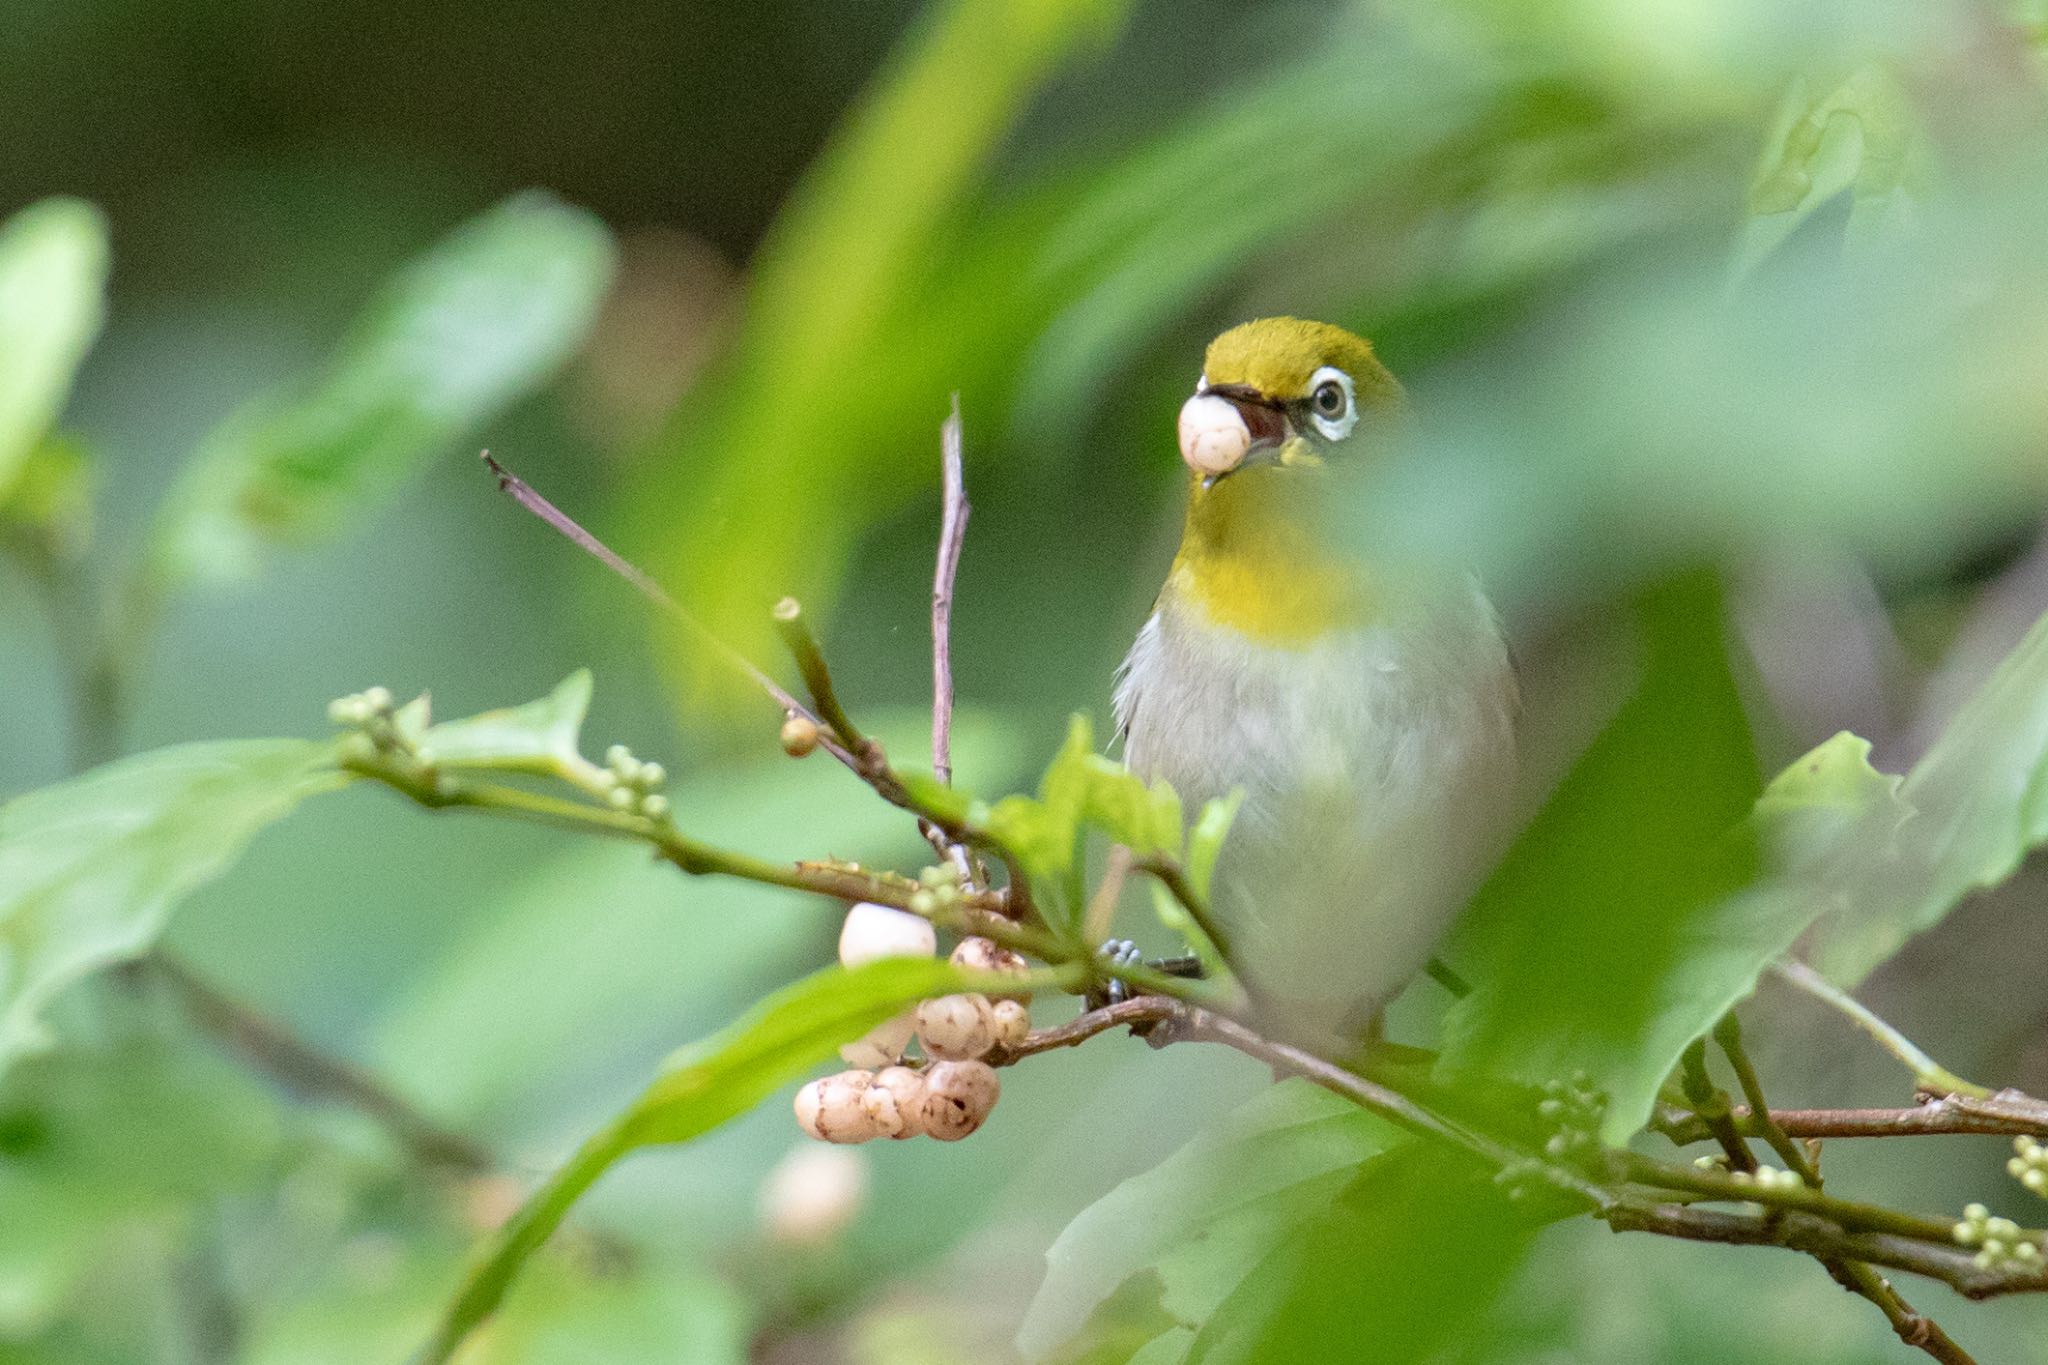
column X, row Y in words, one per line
column 1251, row 560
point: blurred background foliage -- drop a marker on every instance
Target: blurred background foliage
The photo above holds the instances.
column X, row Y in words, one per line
column 1678, row 285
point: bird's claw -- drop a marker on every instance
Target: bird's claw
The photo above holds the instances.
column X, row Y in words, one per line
column 1117, row 952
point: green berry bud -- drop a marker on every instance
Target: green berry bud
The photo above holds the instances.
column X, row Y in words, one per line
column 654, row 807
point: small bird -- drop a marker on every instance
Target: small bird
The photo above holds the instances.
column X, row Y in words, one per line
column 1365, row 711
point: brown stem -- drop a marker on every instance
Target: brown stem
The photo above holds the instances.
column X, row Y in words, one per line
column 1911, row 1327
column 953, row 515
column 1946, row 1114
column 524, row 493
column 306, row 1071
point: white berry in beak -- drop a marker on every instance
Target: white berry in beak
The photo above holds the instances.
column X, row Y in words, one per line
column 1213, row 436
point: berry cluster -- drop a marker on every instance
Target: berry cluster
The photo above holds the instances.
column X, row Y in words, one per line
column 1999, row 1241
column 2029, row 1165
column 372, row 715
column 949, row 1092
column 635, row 784
column 1574, row 1111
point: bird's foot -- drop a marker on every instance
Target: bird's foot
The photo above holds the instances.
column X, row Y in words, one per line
column 1122, row 952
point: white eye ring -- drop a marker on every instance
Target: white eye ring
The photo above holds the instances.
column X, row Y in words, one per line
column 1338, row 427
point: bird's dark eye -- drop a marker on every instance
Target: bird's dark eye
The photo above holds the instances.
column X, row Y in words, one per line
column 1329, row 399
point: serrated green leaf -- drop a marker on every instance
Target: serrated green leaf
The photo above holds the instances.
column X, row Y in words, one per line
column 1603, row 932
column 1191, row 1228
column 472, row 325
column 53, row 274
column 535, row 736
column 698, row 1089
column 90, row 869
column 1962, row 820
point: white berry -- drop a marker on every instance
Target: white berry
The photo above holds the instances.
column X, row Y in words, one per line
column 1213, row 436
column 894, row 1101
column 812, row 1194
column 1010, row 1021
column 957, row 1098
column 830, row 1108
column 873, row 932
column 978, row 954
column 881, row 1045
column 956, row 1026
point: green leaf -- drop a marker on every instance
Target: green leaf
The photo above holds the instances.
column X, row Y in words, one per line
column 1175, row 1240
column 101, row 1146
column 1608, row 940
column 698, row 1089
column 1205, row 840
column 1962, row 820
column 538, row 736
column 53, row 274
column 475, row 323
column 1863, row 139
column 1044, row 833
column 1400, row 1264
column 90, row 869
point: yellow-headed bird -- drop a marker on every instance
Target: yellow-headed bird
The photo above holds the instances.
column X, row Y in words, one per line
column 1366, row 713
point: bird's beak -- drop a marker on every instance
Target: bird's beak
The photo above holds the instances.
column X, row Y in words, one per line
column 1228, row 427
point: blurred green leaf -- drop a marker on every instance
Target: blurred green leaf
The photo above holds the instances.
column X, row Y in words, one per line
column 475, row 323
column 700, row 1088
column 90, row 869
column 51, row 500
column 1205, row 840
column 1861, row 139
column 539, row 735
column 53, row 274
column 855, row 245
column 1594, row 946
column 1962, row 820
column 101, row 1143
column 1168, row 1246
column 1400, row 1263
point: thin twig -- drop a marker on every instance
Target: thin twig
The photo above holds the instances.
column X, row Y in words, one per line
column 1816, row 1236
column 1174, row 878
column 306, row 1071
column 1944, row 1115
column 1930, row 1074
column 1911, row 1327
column 1728, row 1033
column 810, row 665
column 524, row 493
column 953, row 515
column 1710, row 1103
column 952, row 535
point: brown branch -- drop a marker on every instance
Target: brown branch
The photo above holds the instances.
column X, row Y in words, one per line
column 1909, row 1325
column 837, row 734
column 1138, row 1010
column 1817, row 1236
column 953, row 515
column 524, row 493
column 1944, row 1115
column 952, row 535
column 306, row 1071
